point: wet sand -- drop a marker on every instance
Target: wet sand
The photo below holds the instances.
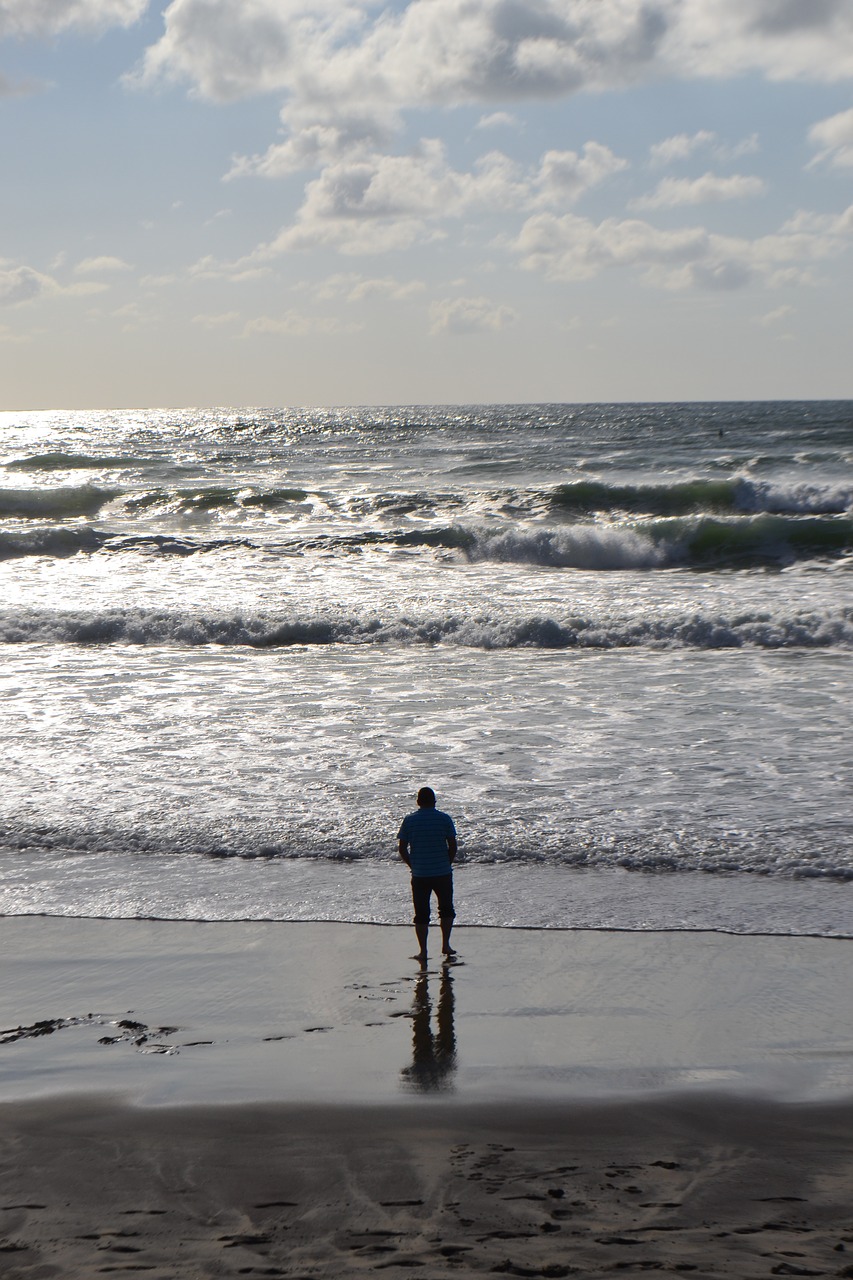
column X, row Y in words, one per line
column 301, row 1100
column 739, row 1189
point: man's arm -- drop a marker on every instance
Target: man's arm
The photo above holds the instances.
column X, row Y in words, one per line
column 451, row 848
column 403, row 848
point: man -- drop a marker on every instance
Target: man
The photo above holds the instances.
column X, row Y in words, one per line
column 427, row 844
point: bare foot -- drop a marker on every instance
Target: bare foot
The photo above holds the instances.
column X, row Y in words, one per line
column 448, row 952
column 421, row 957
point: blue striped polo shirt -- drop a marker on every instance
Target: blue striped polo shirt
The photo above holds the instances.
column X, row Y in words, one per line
column 425, row 832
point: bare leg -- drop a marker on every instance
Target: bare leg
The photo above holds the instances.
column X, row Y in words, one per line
column 446, row 926
column 421, row 931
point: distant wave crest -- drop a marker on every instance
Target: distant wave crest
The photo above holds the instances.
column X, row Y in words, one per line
column 59, row 503
column 737, row 495
column 61, row 461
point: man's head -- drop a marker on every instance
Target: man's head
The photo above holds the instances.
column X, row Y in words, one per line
column 426, row 798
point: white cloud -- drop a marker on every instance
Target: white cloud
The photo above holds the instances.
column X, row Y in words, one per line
column 294, row 325
column 710, row 188
column 349, row 70
column 228, row 50
column 834, row 136
column 377, row 203
column 805, row 223
column 311, row 143
column 157, row 282
column 23, row 284
column 679, row 147
column 221, row 215
column 746, row 147
column 572, row 248
column 450, row 52
column 498, row 120
column 469, row 315
column 209, row 268
column 374, row 202
column 24, row 18
column 20, row 283
column 216, row 321
column 564, row 176
column 133, row 317
column 771, row 318
column 96, row 266
column 355, row 288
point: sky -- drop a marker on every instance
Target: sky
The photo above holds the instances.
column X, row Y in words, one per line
column 311, row 202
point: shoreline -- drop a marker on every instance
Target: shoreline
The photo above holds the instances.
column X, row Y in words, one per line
column 503, row 895
column 165, row 1011
column 278, row 921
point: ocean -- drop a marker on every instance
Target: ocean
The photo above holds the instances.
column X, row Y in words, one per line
column 617, row 640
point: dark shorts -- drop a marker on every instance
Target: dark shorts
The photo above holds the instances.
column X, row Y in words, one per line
column 423, row 887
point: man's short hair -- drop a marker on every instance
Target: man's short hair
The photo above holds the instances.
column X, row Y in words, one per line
column 426, row 798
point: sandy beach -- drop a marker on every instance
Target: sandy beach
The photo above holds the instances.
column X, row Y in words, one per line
column 743, row 1189
column 300, row 1100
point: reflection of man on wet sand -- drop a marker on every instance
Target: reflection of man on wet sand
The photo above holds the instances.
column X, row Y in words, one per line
column 433, row 1054
column 427, row 844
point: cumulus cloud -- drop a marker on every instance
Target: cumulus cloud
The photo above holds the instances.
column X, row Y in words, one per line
column 710, row 188
column 22, row 284
column 349, row 72
column 834, row 137
column 355, row 288
column 449, row 52
column 227, row 50
column 469, row 315
column 24, row 18
column 565, row 175
column 97, row 266
column 375, row 202
column 209, row 268
column 571, row 248
column 679, row 147
column 574, row 248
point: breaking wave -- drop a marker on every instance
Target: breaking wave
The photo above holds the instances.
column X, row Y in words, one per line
column 737, row 542
column 670, row 543
column 260, row 630
column 792, row 854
